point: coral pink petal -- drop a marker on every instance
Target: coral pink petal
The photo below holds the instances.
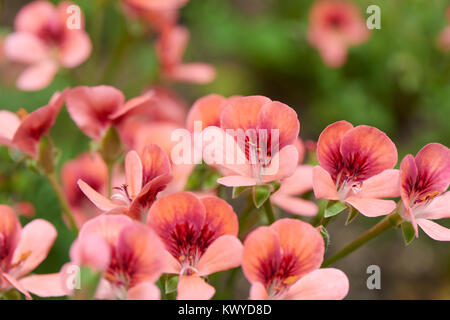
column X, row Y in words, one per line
column 258, row 292
column 36, row 240
column 299, row 182
column 220, row 216
column 37, row 76
column 237, row 181
column 140, row 246
column 223, row 254
column 33, row 17
column 10, row 227
column 108, row 227
column 144, row 291
column 408, row 178
column 99, row 200
column 434, row 230
column 9, row 122
column 155, row 162
column 301, row 240
column 16, row 284
column 242, row 113
column 295, row 205
column 282, row 118
column 172, row 265
column 262, row 251
column 321, row 284
column 90, row 108
column 282, row 164
column 194, row 288
column 130, row 105
column 433, row 164
column 133, row 173
column 438, row 208
column 75, row 48
column 369, row 150
column 91, row 250
column 323, row 185
column 25, row 48
column 44, row 285
column 329, row 144
column 372, row 207
column 176, row 208
column 207, row 111
column 383, row 185
column 195, row 72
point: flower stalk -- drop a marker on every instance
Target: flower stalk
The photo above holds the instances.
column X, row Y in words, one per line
column 390, row 221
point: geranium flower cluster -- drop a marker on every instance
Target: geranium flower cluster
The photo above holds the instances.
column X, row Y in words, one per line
column 150, row 226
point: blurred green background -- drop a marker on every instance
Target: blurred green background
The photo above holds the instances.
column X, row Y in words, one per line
column 398, row 81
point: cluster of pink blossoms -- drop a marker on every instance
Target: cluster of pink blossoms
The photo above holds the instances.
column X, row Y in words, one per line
column 138, row 220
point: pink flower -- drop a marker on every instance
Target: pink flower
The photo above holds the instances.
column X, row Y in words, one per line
column 21, row 250
column 170, row 49
column 424, row 180
column 334, row 26
column 146, row 176
column 261, row 143
column 25, row 134
column 44, row 41
column 356, row 168
column 90, row 168
column 282, row 262
column 200, row 236
column 95, row 109
column 128, row 252
column 156, row 4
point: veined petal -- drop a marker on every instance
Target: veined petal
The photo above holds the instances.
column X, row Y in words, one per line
column 438, row 208
column 279, row 116
column 301, row 240
column 106, row 226
column 433, row 164
column 368, row 151
column 242, row 113
column 154, row 162
column 329, row 147
column 220, row 216
column 262, row 255
column 282, row 165
column 207, row 110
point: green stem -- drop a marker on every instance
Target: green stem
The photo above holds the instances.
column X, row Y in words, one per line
column 388, row 222
column 63, row 201
column 269, row 211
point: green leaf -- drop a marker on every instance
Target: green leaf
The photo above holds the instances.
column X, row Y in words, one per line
column 334, row 209
column 89, row 280
column 325, row 235
column 408, row 232
column 275, row 185
column 261, row 194
column 171, row 284
column 351, row 216
column 237, row 191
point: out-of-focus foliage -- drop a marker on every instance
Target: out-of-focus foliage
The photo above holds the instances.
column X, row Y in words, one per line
column 398, row 81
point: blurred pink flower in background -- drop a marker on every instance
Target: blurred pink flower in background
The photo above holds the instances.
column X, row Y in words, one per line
column 146, row 175
column 282, row 262
column 156, row 4
column 90, row 168
column 170, row 48
column 334, row 26
column 43, row 41
column 257, row 159
column 95, row 109
column 26, row 133
column 424, row 180
column 356, row 168
column 22, row 250
column 200, row 236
